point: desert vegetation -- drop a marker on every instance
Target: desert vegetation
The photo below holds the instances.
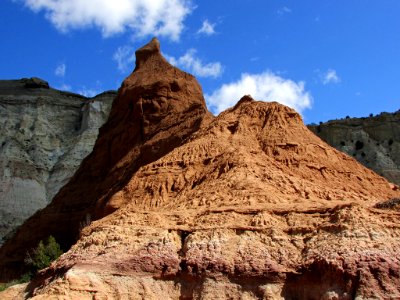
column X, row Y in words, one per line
column 37, row 259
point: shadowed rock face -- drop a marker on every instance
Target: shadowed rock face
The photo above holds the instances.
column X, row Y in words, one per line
column 373, row 141
column 44, row 135
column 249, row 204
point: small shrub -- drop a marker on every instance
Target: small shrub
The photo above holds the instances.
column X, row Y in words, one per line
column 24, row 278
column 43, row 255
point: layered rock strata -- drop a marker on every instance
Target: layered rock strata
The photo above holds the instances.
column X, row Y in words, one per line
column 44, row 135
column 373, row 141
column 247, row 205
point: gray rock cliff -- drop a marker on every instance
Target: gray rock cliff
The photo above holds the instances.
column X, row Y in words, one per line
column 44, row 135
column 373, row 141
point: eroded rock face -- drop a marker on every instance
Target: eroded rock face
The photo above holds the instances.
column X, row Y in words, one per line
column 373, row 141
column 44, row 135
column 248, row 205
column 156, row 109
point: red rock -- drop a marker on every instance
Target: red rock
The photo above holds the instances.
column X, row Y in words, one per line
column 249, row 204
column 157, row 108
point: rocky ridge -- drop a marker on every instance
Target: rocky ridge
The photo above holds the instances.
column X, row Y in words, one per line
column 247, row 205
column 373, row 141
column 44, row 135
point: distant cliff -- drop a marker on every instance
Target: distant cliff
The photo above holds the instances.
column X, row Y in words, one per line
column 373, row 141
column 44, row 135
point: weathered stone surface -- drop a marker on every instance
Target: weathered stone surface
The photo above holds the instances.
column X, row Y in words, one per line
column 247, row 205
column 373, row 141
column 157, row 108
column 44, row 135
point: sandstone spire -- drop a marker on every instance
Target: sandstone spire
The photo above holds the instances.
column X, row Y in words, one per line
column 152, row 49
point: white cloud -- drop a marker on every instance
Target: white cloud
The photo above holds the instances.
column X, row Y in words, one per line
column 64, row 87
column 125, row 58
column 60, row 70
column 330, row 77
column 207, row 28
column 194, row 65
column 284, row 10
column 143, row 17
column 266, row 86
column 88, row 92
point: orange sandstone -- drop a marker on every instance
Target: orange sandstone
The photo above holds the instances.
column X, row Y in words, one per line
column 249, row 204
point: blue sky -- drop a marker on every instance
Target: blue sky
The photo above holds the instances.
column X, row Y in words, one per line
column 326, row 58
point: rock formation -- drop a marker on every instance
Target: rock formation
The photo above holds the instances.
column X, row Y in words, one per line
column 373, row 141
column 157, row 107
column 44, row 135
column 37, row 161
column 247, row 205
